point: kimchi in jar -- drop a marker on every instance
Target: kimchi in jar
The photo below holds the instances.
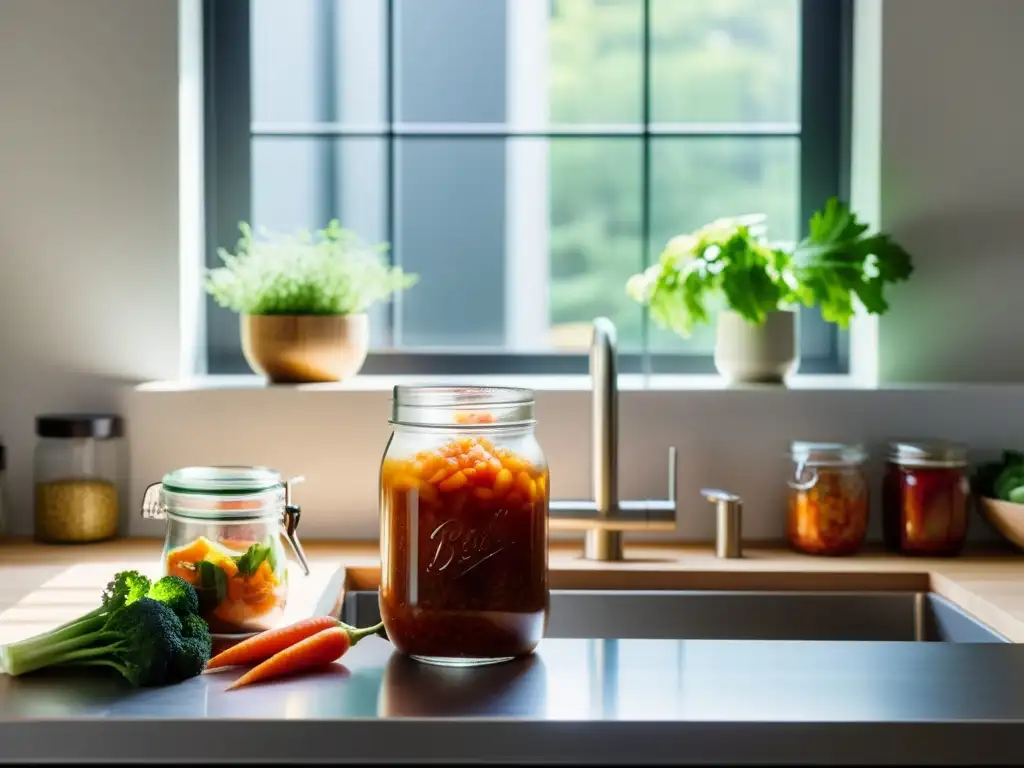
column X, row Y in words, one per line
column 464, row 508
column 925, row 497
column 828, row 499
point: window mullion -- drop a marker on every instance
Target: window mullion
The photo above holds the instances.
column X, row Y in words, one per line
column 645, row 178
column 390, row 214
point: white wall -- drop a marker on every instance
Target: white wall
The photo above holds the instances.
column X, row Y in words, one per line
column 952, row 189
column 88, row 210
column 89, row 294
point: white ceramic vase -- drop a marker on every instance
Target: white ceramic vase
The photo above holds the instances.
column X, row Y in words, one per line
column 757, row 354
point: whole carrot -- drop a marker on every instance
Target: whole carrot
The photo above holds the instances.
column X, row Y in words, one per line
column 322, row 648
column 264, row 645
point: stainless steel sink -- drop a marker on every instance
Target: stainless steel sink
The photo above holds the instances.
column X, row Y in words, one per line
column 893, row 616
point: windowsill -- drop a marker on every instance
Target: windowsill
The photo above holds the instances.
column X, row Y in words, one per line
column 541, row 383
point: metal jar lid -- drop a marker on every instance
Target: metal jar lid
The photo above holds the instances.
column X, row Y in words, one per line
column 99, row 426
column 827, row 454
column 927, row 453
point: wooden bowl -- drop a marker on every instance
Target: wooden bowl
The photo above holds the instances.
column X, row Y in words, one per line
column 1007, row 517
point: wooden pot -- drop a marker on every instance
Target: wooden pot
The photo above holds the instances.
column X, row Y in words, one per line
column 296, row 349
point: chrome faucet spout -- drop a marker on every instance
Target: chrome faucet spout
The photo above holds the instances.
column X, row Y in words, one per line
column 605, row 517
column 601, row 543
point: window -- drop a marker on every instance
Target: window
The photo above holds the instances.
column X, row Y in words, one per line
column 524, row 157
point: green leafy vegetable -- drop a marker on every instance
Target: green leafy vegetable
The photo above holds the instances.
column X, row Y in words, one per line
column 213, row 584
column 249, row 562
column 329, row 272
column 1002, row 479
column 730, row 263
column 837, row 261
column 150, row 636
column 272, row 555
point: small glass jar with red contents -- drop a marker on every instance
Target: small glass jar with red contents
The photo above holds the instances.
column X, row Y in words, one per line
column 828, row 498
column 464, row 510
column 925, row 497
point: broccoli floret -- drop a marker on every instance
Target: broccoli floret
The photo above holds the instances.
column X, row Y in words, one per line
column 195, row 650
column 176, row 593
column 144, row 638
column 126, row 587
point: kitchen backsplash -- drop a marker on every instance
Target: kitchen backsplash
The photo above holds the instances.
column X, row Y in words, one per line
column 735, row 439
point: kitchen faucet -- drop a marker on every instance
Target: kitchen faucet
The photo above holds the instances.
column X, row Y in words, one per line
column 605, row 517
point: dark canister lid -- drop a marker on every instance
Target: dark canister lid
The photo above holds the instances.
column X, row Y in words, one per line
column 927, row 453
column 101, row 426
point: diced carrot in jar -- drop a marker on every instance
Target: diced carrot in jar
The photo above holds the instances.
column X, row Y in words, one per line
column 229, row 566
column 483, row 493
column 431, row 464
column 503, row 482
column 526, row 485
column 453, row 483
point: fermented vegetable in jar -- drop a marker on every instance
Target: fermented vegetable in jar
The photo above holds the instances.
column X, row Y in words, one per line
column 925, row 497
column 828, row 498
column 464, row 497
column 224, row 531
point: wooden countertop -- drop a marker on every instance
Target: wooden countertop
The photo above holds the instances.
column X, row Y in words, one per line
column 42, row 586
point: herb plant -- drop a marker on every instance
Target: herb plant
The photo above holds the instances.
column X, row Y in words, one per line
column 730, row 263
column 328, row 272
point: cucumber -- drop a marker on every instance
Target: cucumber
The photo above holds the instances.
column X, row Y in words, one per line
column 1016, row 495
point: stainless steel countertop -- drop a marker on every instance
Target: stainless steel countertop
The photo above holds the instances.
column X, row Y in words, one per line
column 598, row 701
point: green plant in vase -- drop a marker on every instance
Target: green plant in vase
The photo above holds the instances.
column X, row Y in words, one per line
column 303, row 298
column 730, row 269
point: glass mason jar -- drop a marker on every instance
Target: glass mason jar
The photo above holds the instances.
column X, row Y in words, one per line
column 925, row 497
column 224, row 528
column 828, row 498
column 464, row 510
column 77, row 472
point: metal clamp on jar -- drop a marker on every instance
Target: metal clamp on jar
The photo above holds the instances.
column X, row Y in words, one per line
column 224, row 530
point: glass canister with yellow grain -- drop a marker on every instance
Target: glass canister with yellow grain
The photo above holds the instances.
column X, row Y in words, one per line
column 464, row 511
column 77, row 469
column 828, row 498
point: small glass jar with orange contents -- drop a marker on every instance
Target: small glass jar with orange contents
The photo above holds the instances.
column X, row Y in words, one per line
column 224, row 536
column 464, row 510
column 828, row 498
